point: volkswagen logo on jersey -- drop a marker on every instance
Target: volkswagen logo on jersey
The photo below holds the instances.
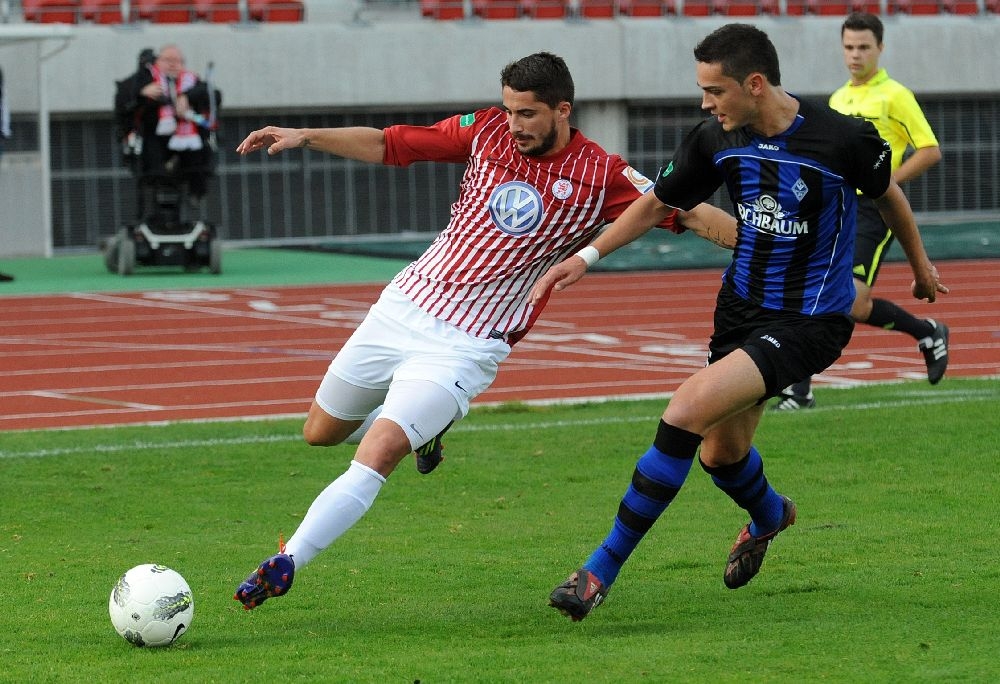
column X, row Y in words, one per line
column 516, row 208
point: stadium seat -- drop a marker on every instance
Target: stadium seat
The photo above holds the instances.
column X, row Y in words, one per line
column 830, row 7
column 217, row 11
column 697, row 8
column 544, row 9
column 101, row 11
column 442, row 9
column 276, row 10
column 965, row 7
column 597, row 9
column 992, row 6
column 51, row 11
column 163, row 11
column 496, row 9
column 796, row 8
column 915, row 7
column 646, row 8
column 737, row 8
column 869, row 6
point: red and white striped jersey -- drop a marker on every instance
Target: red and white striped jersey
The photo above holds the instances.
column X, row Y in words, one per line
column 515, row 217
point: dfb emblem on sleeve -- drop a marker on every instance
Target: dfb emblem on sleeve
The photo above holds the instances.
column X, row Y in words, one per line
column 516, row 208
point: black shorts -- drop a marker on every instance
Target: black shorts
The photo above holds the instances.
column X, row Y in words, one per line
column 787, row 347
column 872, row 242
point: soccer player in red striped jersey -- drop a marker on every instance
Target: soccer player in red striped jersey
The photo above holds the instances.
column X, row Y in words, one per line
column 535, row 191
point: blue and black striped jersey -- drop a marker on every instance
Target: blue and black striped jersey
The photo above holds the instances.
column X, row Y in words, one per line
column 795, row 200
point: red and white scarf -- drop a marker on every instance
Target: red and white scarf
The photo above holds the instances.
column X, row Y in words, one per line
column 183, row 132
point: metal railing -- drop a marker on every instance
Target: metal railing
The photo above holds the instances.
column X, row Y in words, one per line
column 312, row 197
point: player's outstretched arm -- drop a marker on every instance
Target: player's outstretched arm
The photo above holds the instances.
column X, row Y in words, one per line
column 271, row 138
column 560, row 276
column 712, row 224
column 638, row 219
column 355, row 142
column 896, row 212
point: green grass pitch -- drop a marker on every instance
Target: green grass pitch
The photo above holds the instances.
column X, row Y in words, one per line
column 890, row 573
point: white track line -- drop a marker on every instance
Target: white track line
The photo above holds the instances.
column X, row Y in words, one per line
column 919, row 398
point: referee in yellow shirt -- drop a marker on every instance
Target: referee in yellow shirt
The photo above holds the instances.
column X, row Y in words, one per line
column 870, row 94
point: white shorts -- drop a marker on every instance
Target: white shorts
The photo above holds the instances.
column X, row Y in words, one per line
column 398, row 341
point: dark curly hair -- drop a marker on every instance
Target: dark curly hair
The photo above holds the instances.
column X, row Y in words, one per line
column 742, row 50
column 544, row 74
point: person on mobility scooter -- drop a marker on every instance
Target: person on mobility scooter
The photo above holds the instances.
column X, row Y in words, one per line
column 166, row 118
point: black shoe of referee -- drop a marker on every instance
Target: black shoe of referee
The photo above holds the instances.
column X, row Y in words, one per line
column 935, row 351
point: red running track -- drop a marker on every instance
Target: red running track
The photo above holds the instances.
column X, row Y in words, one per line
column 83, row 359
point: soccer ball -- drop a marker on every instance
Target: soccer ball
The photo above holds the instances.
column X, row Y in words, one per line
column 151, row 605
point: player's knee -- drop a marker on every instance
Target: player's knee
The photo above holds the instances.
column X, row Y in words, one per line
column 321, row 433
column 861, row 311
column 314, row 437
column 719, row 450
column 383, row 451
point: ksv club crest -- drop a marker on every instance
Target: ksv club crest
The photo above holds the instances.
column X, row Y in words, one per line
column 561, row 189
column 516, row 208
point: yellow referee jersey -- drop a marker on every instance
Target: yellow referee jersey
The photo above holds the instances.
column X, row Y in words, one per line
column 893, row 109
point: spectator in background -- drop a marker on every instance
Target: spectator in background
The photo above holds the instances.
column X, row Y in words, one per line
column 871, row 95
column 4, row 115
column 128, row 117
column 169, row 110
column 4, row 135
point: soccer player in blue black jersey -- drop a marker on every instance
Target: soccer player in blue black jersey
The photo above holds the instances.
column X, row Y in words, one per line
column 783, row 312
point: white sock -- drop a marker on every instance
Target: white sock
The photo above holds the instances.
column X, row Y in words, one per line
column 355, row 437
column 334, row 511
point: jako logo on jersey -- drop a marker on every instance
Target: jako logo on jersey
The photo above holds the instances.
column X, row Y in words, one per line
column 641, row 183
column 881, row 158
column 768, row 146
column 467, row 120
column 667, row 171
column 516, row 208
column 768, row 338
column 767, row 216
column 561, row 189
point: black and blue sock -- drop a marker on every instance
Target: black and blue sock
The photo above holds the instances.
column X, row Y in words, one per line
column 745, row 484
column 658, row 476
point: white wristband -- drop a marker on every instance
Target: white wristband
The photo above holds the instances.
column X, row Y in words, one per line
column 590, row 255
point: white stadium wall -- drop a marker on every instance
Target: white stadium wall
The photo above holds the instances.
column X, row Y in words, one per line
column 428, row 63
column 331, row 64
